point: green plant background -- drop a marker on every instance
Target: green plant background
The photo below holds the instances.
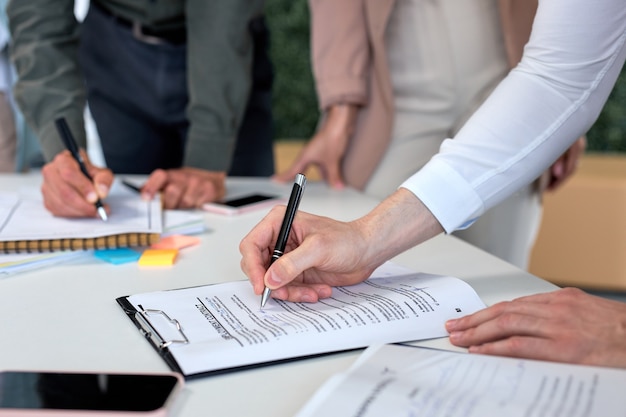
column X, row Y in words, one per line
column 295, row 103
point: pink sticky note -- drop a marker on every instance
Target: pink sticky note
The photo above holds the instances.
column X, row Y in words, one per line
column 176, row 242
column 158, row 257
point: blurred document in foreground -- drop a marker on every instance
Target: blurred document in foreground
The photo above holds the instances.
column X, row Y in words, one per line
column 396, row 380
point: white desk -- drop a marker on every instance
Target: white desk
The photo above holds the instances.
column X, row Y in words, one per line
column 65, row 317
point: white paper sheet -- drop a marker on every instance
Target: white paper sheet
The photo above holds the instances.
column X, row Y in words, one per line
column 182, row 222
column 24, row 217
column 226, row 327
column 393, row 380
column 14, row 263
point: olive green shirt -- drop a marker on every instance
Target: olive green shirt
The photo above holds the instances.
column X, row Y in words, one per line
column 45, row 37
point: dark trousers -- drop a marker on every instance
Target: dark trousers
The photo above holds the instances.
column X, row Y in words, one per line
column 137, row 94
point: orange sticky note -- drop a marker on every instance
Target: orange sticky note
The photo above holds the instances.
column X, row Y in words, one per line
column 176, row 242
column 158, row 257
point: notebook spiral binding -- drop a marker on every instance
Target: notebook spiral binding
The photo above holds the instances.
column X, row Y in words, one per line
column 104, row 242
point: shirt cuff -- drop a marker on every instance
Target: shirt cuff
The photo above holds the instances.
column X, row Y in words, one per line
column 341, row 90
column 448, row 196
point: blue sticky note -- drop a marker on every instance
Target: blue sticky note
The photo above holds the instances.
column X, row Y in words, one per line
column 118, row 256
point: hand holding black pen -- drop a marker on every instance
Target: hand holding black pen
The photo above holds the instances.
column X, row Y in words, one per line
column 70, row 144
column 285, row 228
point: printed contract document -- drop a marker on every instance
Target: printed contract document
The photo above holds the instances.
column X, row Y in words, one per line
column 395, row 380
column 219, row 327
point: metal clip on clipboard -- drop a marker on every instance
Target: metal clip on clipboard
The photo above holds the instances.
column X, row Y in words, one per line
column 150, row 331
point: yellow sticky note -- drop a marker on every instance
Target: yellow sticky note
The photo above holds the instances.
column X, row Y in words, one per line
column 176, row 242
column 158, row 257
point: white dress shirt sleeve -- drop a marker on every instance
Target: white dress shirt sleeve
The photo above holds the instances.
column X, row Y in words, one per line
column 576, row 51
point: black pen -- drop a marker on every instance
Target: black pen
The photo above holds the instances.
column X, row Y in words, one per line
column 70, row 144
column 285, row 228
column 136, row 188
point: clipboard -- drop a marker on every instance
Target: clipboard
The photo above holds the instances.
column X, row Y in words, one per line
column 142, row 318
column 220, row 328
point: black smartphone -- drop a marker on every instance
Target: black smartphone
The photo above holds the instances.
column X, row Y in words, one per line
column 47, row 394
column 242, row 204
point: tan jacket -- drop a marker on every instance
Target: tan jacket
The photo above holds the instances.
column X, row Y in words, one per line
column 350, row 66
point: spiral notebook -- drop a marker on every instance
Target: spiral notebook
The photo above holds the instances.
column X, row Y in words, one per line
column 26, row 225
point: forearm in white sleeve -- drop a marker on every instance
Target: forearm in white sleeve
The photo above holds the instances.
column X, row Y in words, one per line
column 576, row 51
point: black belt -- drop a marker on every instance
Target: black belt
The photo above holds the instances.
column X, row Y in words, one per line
column 146, row 34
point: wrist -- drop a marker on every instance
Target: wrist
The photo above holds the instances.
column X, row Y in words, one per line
column 398, row 223
column 340, row 120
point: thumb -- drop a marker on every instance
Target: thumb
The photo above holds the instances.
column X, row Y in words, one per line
column 292, row 265
column 280, row 273
column 102, row 180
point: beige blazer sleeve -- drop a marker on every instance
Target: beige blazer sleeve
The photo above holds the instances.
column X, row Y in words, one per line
column 340, row 52
column 350, row 66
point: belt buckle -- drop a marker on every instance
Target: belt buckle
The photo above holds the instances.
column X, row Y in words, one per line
column 140, row 36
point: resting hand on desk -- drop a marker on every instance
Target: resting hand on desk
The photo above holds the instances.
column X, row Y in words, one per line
column 322, row 253
column 185, row 188
column 67, row 192
column 567, row 325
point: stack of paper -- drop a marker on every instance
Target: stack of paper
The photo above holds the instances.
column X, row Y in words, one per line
column 394, row 380
column 42, row 224
column 20, row 262
column 182, row 222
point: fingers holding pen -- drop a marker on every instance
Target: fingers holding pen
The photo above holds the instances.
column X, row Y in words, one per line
column 311, row 264
column 67, row 192
column 102, row 179
column 283, row 275
column 293, row 277
column 257, row 246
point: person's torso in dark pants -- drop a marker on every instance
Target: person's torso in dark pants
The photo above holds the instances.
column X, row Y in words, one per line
column 137, row 94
